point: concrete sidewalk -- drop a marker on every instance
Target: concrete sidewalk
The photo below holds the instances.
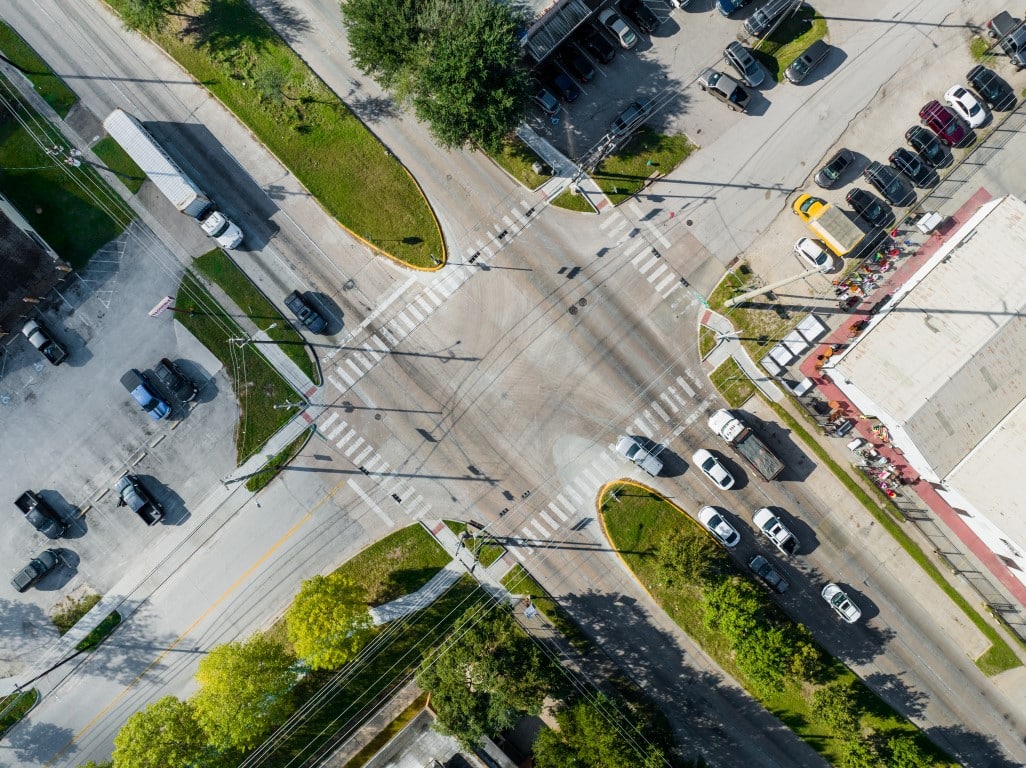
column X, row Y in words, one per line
column 729, row 346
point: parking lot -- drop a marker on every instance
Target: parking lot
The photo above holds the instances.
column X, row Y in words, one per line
column 71, row 430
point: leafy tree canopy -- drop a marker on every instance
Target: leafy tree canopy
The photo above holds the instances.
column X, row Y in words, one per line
column 149, row 16
column 594, row 735
column 688, row 556
column 164, row 735
column 328, row 621
column 245, row 691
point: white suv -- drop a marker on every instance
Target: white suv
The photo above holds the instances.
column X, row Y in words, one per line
column 611, row 21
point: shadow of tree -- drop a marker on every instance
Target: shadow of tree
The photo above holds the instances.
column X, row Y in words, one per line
column 895, row 692
column 971, row 748
column 284, row 17
column 374, row 109
column 30, row 739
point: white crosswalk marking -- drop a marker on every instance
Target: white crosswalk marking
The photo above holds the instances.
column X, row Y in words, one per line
column 349, row 436
column 413, row 311
column 406, row 321
column 685, row 386
column 591, row 478
column 610, row 464
column 578, row 501
column 336, row 383
column 336, row 431
column 363, row 360
column 352, row 364
column 648, row 265
column 657, row 272
column 370, row 503
column 631, row 246
column 392, row 340
column 328, row 422
column 566, row 504
column 423, row 303
column 605, row 221
column 519, row 556
column 662, row 414
column 548, row 520
column 647, row 253
column 558, row 512
column 345, row 376
column 643, row 427
column 675, row 396
column 433, row 297
column 372, row 462
column 358, row 460
column 543, row 531
column 354, row 446
column 670, row 278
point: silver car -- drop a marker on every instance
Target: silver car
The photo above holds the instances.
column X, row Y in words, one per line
column 725, row 88
column 741, row 59
column 632, row 449
column 841, row 603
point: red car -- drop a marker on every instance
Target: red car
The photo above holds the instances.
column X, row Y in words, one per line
column 943, row 122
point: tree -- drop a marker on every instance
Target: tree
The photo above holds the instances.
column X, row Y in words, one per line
column 860, row 752
column 383, row 37
column 245, row 691
column 149, row 16
column 905, row 752
column 164, row 735
column 328, row 621
column 594, row 735
column 834, row 704
column 489, row 675
column 688, row 556
column 807, row 661
column 734, row 607
column 764, row 655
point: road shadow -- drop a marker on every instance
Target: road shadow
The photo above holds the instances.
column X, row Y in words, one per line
column 76, row 525
column 204, row 380
column 175, row 511
column 33, row 741
column 374, row 109
column 894, row 691
column 59, row 577
column 25, row 629
column 808, row 541
column 797, row 464
column 135, row 645
column 970, row 747
column 328, row 309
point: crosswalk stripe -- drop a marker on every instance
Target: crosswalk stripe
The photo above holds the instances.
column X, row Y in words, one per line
column 605, row 221
column 349, row 380
column 529, row 535
column 665, row 282
column 392, row 340
column 376, row 343
column 662, row 414
column 336, row 383
column 364, row 359
column 643, row 268
column 578, row 501
column 433, row 296
column 406, row 321
column 349, row 436
column 591, row 478
column 332, row 418
column 608, row 461
column 571, row 508
column 358, row 460
column 669, row 402
column 685, row 386
column 413, row 311
column 518, row 556
column 642, row 427
column 656, row 272
column 677, row 397
column 352, row 364
column 359, row 441
column 337, row 431
column 558, row 511
column 372, row 462
column 423, row 303
column 548, row 520
column 541, row 529
column 642, row 255
column 370, row 503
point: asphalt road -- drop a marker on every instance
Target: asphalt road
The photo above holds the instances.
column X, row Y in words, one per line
column 499, row 398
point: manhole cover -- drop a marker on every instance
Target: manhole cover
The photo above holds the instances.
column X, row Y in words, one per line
column 583, row 302
column 572, row 310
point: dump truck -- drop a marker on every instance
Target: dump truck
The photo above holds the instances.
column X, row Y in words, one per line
column 171, row 180
column 739, row 436
column 829, row 224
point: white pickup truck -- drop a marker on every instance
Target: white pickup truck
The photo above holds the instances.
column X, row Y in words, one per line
column 775, row 531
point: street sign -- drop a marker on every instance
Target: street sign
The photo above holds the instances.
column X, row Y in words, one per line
column 163, row 304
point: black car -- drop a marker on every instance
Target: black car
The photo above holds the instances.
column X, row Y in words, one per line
column 170, row 375
column 640, row 14
column 306, row 314
column 577, row 64
column 991, row 88
column 41, row 515
column 870, row 208
column 561, row 83
column 910, row 164
column 133, row 494
column 830, row 174
column 888, row 182
column 40, row 565
column 597, row 45
column 923, row 141
column 770, row 575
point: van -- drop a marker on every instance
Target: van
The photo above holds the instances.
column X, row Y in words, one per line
column 760, row 22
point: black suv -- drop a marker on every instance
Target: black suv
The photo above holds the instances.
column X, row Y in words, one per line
column 41, row 564
column 640, row 14
column 170, row 375
column 576, row 63
column 888, row 183
column 991, row 88
column 927, row 145
column 306, row 314
column 870, row 208
column 912, row 166
column 597, row 45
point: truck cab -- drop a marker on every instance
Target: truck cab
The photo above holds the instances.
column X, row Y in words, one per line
column 41, row 338
column 220, row 227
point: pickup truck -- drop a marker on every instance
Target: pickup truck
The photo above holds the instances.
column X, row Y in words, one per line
column 41, row 515
column 132, row 494
column 144, row 394
column 632, row 449
column 38, row 567
column 40, row 338
column 774, row 530
column 744, row 441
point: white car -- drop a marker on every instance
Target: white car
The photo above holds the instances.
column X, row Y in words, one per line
column 632, row 449
column 966, row 105
column 713, row 469
column 623, row 33
column 816, row 255
column 775, row 531
column 717, row 525
column 841, row 603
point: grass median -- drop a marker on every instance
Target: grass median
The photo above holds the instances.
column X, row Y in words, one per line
column 48, row 85
column 626, row 172
column 230, row 49
column 258, row 386
column 637, row 521
column 219, row 267
column 789, row 40
column 14, row 707
column 119, row 163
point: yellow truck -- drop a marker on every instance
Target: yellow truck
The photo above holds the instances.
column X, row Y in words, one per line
column 829, row 224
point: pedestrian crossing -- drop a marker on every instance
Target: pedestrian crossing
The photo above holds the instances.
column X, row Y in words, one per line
column 648, row 261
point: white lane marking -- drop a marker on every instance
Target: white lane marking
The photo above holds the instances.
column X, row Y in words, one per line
column 370, row 503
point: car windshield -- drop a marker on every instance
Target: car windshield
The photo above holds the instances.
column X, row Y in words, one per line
column 832, row 171
column 974, row 109
column 708, row 465
column 801, row 65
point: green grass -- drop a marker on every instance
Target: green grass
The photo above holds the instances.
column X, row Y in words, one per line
column 635, row 522
column 732, row 382
column 235, row 54
column 571, row 202
column 519, row 582
column 488, row 552
column 516, row 158
column 100, row 633
column 789, row 40
column 45, row 191
column 274, row 465
column 980, row 49
column 120, row 164
column 258, row 387
column 68, row 616
column 219, row 267
column 706, row 341
column 623, row 174
column 53, row 90
column 999, row 657
column 397, row 565
column 386, row 734
column 15, row 706
column 760, row 322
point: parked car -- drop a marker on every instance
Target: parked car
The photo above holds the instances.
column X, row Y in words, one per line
column 816, row 255
column 780, row 535
column 170, row 375
column 640, row 14
column 927, row 145
column 38, row 567
column 133, row 494
column 563, row 85
column 966, row 106
column 717, row 525
column 741, row 59
column 942, row 122
column 1011, row 36
column 725, row 89
column 629, row 119
column 830, row 174
column 596, row 44
column 769, row 575
column 889, row 184
column 841, row 603
column 713, row 469
column 995, row 92
column 910, row 164
column 870, row 208
column 39, row 336
column 727, row 7
column 41, row 515
column 576, row 63
column 623, row 33
column 632, row 449
column 807, row 61
column 305, row 313
column 145, row 395
column 760, row 22
column 548, row 103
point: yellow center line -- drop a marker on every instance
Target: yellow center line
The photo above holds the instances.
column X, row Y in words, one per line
column 213, row 606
